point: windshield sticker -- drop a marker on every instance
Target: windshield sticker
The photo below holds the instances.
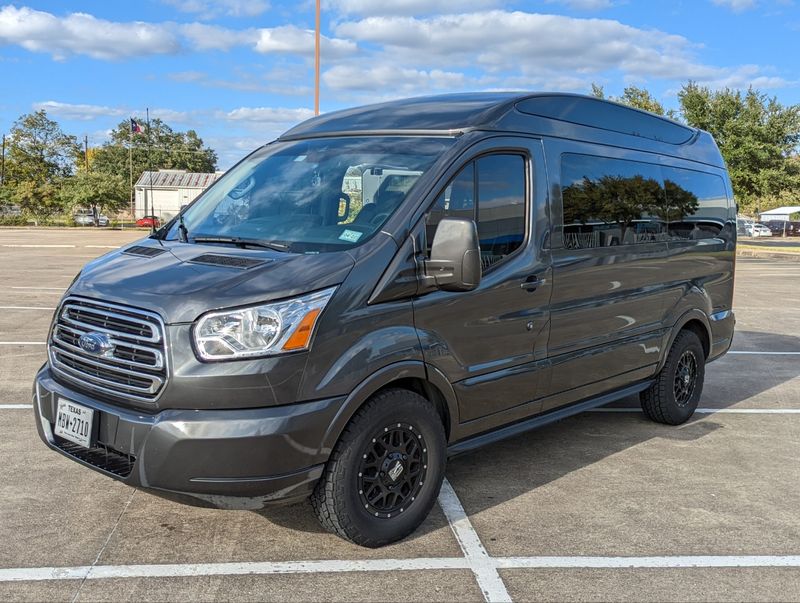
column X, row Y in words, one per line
column 351, row 236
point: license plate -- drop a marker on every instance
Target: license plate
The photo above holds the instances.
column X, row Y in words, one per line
column 74, row 422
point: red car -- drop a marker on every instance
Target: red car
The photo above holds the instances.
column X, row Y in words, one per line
column 148, row 222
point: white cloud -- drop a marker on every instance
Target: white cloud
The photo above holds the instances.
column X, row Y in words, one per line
column 408, row 7
column 208, row 9
column 588, row 5
column 283, row 81
column 267, row 115
column 293, row 40
column 391, row 79
column 212, row 37
column 88, row 112
column 518, row 46
column 79, row 33
column 736, row 5
column 82, row 34
column 78, row 112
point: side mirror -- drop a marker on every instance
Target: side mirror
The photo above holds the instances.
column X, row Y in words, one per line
column 455, row 262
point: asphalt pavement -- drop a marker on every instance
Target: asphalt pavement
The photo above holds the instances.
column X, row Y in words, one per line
column 601, row 506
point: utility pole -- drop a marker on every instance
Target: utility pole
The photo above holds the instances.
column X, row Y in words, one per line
column 130, row 169
column 3, row 163
column 150, row 165
column 86, row 152
column 316, row 63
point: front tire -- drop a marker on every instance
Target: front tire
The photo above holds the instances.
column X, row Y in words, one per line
column 385, row 472
column 673, row 397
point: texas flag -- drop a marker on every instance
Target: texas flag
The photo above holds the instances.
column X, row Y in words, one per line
column 136, row 127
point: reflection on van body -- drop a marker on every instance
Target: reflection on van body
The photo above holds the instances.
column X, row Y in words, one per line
column 387, row 285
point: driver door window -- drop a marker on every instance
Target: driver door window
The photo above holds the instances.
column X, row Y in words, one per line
column 491, row 191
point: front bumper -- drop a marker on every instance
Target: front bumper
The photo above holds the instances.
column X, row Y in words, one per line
column 243, row 459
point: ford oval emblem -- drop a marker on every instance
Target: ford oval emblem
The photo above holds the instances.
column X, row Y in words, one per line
column 97, row 344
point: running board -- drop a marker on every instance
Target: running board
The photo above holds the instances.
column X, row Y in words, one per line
column 509, row 431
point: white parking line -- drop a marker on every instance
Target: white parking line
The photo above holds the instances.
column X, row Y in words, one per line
column 480, row 563
column 22, row 342
column 16, row 406
column 176, row 570
column 41, row 288
column 711, row 411
column 101, row 246
column 743, row 352
column 653, row 562
column 26, row 245
column 86, row 572
column 25, row 308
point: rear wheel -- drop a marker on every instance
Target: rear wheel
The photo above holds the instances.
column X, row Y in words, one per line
column 673, row 397
column 385, row 472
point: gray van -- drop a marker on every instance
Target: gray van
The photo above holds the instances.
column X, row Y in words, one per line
column 384, row 286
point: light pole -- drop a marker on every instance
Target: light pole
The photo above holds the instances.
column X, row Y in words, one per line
column 316, row 63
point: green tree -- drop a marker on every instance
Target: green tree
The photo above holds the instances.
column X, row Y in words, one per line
column 97, row 191
column 40, row 200
column 169, row 149
column 633, row 96
column 39, row 151
column 758, row 138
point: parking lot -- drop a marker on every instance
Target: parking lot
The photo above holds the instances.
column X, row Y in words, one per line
column 602, row 506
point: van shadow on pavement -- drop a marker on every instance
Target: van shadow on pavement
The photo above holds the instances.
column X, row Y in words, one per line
column 535, row 458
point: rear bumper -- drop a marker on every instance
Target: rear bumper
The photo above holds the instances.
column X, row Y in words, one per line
column 242, row 459
column 722, row 328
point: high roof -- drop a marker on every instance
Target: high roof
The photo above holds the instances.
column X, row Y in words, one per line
column 545, row 113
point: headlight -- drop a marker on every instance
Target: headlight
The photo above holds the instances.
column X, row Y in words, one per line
column 266, row 330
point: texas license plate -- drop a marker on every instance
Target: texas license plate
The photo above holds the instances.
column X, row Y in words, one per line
column 74, row 422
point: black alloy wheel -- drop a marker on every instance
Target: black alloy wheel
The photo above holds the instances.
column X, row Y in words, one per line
column 392, row 470
column 676, row 389
column 685, row 378
column 385, row 472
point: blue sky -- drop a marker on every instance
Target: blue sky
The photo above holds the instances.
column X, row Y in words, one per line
column 241, row 71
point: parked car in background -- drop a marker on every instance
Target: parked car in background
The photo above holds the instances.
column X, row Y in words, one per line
column 744, row 228
column 783, row 228
column 149, row 222
column 761, row 230
column 85, row 217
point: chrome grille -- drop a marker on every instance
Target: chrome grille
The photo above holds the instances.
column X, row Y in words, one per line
column 134, row 368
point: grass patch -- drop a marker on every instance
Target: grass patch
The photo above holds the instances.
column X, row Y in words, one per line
column 769, row 249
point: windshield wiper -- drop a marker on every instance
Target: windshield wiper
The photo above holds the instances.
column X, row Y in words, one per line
column 241, row 242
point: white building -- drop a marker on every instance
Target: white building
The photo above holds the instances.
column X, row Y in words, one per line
column 169, row 191
column 780, row 213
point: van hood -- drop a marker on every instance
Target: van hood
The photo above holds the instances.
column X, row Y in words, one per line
column 177, row 281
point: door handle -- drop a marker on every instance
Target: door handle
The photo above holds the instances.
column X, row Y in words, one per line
column 532, row 282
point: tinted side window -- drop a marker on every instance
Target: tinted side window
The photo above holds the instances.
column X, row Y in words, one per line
column 491, row 191
column 697, row 203
column 501, row 206
column 610, row 202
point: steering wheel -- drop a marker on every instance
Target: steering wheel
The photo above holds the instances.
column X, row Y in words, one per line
column 379, row 219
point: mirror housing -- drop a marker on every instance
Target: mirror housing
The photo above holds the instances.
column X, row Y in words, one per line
column 455, row 262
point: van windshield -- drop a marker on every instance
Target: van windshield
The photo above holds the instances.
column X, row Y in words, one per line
column 311, row 196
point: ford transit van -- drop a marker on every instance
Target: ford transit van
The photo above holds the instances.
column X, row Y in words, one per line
column 384, row 286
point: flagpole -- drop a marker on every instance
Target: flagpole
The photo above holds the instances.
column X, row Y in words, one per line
column 150, row 166
column 316, row 63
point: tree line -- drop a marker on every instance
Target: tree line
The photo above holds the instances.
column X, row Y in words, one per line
column 757, row 136
column 47, row 172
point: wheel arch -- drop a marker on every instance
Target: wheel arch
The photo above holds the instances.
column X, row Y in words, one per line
column 414, row 376
column 695, row 321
